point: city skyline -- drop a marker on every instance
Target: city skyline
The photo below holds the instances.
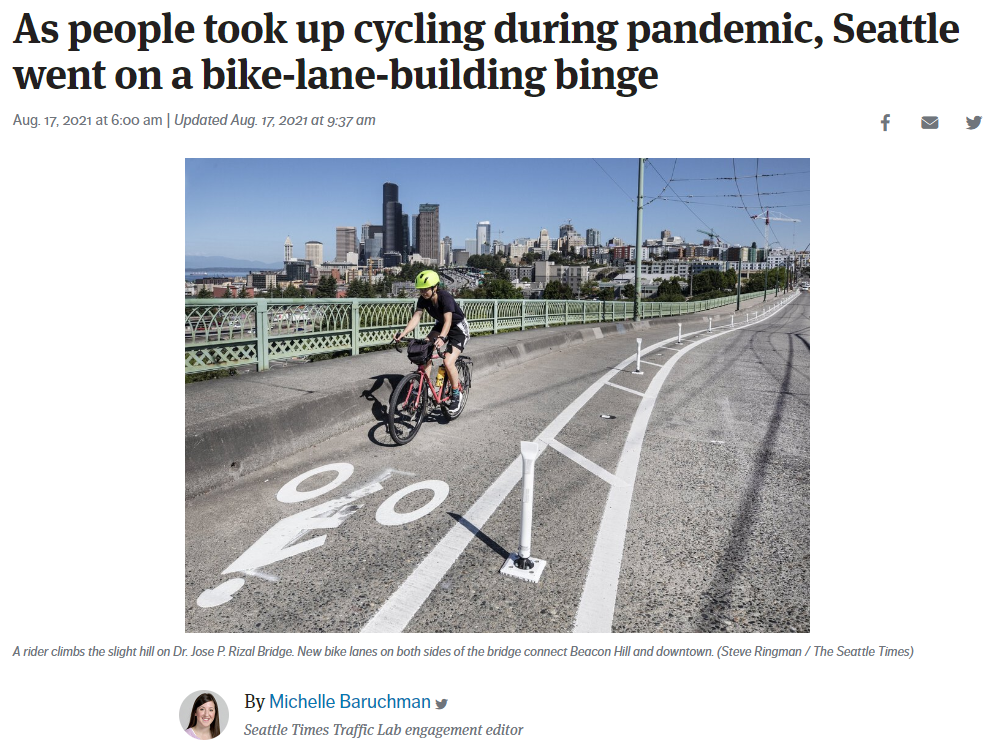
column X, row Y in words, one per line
column 245, row 208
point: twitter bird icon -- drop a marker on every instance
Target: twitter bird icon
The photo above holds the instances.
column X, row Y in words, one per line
column 974, row 123
column 440, row 704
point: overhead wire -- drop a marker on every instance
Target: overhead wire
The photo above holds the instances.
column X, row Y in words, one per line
column 630, row 198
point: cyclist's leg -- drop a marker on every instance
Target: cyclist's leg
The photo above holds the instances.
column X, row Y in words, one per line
column 450, row 360
column 459, row 336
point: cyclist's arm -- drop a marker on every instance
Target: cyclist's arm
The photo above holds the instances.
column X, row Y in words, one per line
column 447, row 322
column 415, row 318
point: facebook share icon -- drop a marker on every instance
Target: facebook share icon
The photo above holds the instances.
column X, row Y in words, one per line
column 885, row 122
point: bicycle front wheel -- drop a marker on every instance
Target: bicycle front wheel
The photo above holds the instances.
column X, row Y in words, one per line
column 407, row 409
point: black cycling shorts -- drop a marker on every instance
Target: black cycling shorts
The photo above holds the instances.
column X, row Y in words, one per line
column 457, row 337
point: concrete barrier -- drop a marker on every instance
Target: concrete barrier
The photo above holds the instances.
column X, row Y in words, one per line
column 241, row 424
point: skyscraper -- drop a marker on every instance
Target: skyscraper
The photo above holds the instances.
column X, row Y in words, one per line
column 345, row 243
column 427, row 223
column 391, row 219
column 288, row 256
column 544, row 244
column 484, row 237
column 593, row 237
column 314, row 252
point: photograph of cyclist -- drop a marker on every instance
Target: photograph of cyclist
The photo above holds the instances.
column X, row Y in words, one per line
column 451, row 330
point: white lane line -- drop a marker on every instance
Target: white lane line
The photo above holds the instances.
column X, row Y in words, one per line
column 398, row 610
column 655, row 365
column 588, row 464
column 402, row 606
column 618, row 386
column 599, row 595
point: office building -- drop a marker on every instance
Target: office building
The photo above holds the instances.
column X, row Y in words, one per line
column 288, row 250
column 544, row 244
column 392, row 240
column 346, row 242
column 427, row 232
column 484, row 235
column 313, row 252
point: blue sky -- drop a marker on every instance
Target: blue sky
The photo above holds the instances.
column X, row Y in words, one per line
column 245, row 208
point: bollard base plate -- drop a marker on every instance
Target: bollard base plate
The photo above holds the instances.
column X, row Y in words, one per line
column 530, row 575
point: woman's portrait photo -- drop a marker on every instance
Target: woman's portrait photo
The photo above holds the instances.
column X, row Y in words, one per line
column 202, row 716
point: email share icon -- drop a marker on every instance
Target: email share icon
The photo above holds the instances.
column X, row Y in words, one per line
column 929, row 122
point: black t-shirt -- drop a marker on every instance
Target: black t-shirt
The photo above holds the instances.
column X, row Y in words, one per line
column 446, row 303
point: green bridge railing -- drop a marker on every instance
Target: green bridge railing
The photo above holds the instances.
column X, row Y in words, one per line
column 226, row 333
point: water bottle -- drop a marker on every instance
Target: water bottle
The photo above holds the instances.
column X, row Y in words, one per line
column 440, row 376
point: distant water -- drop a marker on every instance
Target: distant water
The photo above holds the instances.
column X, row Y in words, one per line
column 219, row 272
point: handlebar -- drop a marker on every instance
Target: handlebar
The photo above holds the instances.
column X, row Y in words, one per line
column 397, row 345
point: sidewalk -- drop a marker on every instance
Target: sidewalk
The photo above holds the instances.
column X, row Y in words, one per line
column 239, row 424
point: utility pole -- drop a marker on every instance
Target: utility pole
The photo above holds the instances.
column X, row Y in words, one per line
column 739, row 280
column 637, row 245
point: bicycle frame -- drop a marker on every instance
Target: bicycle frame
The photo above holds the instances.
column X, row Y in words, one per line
column 426, row 383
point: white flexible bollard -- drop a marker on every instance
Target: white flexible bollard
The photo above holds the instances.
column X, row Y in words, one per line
column 520, row 565
column 637, row 367
column 747, row 318
column 679, row 334
column 709, row 324
column 733, row 321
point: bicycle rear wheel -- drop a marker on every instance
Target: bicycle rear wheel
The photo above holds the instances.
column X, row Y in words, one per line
column 407, row 409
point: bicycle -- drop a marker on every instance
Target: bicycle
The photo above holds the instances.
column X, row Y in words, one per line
column 410, row 400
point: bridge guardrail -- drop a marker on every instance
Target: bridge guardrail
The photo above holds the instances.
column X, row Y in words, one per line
column 226, row 333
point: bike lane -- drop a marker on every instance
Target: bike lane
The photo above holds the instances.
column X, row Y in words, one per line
column 380, row 577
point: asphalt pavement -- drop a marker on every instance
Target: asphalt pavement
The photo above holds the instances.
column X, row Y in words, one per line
column 672, row 500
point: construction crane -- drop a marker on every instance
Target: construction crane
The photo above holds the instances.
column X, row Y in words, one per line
column 766, row 217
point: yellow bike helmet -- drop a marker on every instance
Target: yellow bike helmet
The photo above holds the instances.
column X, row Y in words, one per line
column 428, row 278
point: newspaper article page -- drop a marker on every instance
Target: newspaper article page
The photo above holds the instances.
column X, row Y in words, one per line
column 494, row 426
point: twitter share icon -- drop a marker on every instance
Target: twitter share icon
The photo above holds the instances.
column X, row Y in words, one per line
column 974, row 123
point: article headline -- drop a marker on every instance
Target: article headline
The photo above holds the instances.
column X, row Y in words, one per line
column 451, row 73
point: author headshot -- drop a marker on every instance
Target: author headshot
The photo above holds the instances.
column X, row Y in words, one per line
column 204, row 722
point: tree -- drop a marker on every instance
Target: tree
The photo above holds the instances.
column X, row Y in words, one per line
column 628, row 292
column 204, row 293
column 243, row 293
column 588, row 289
column 327, row 287
column 669, row 292
column 488, row 262
column 227, row 293
column 606, row 293
column 555, row 290
column 500, row 289
column 360, row 288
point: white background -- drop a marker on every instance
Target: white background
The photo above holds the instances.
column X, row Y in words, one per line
column 905, row 381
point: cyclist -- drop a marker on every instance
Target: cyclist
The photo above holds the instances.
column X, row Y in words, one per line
column 451, row 330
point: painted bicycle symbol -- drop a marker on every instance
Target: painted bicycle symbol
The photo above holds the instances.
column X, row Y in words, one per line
column 286, row 537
